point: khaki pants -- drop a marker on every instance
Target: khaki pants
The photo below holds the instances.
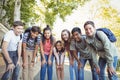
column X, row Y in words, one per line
column 28, row 71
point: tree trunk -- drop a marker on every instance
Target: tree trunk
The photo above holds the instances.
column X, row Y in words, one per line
column 17, row 10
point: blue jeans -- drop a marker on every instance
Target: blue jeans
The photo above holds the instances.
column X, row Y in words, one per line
column 72, row 69
column 48, row 67
column 93, row 70
column 102, row 65
column 15, row 74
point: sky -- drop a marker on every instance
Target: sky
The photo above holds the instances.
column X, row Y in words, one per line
column 115, row 4
column 79, row 17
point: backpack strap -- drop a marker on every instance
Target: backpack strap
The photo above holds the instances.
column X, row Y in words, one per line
column 36, row 39
column 97, row 36
column 29, row 35
column 20, row 36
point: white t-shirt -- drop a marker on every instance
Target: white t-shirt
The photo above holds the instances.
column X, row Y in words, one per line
column 12, row 40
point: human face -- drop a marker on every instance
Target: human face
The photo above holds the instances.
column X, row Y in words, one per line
column 34, row 34
column 18, row 30
column 65, row 36
column 77, row 36
column 47, row 34
column 59, row 46
column 89, row 30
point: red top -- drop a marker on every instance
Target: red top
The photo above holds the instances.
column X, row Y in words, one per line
column 47, row 47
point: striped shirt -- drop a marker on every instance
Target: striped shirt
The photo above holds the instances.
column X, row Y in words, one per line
column 30, row 42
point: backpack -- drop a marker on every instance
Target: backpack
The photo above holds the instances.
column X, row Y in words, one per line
column 109, row 34
column 29, row 35
column 3, row 39
column 27, row 30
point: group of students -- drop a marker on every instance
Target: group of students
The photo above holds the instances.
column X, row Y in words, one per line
column 80, row 49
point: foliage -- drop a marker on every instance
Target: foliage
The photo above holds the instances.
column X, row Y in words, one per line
column 118, row 64
column 118, row 67
column 53, row 8
column 59, row 8
column 112, row 19
column 109, row 17
column 27, row 10
column 9, row 8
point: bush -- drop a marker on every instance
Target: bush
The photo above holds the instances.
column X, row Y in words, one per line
column 118, row 65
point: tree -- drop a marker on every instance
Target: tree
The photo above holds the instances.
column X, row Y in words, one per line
column 3, row 12
column 28, row 10
column 17, row 10
column 59, row 8
column 109, row 16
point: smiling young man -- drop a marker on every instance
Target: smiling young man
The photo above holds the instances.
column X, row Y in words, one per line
column 78, row 44
column 107, row 51
column 30, row 44
column 11, row 49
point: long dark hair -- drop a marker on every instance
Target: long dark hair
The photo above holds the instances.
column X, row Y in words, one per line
column 62, row 49
column 51, row 37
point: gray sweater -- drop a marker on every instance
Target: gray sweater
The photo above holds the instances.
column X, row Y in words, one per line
column 104, row 47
